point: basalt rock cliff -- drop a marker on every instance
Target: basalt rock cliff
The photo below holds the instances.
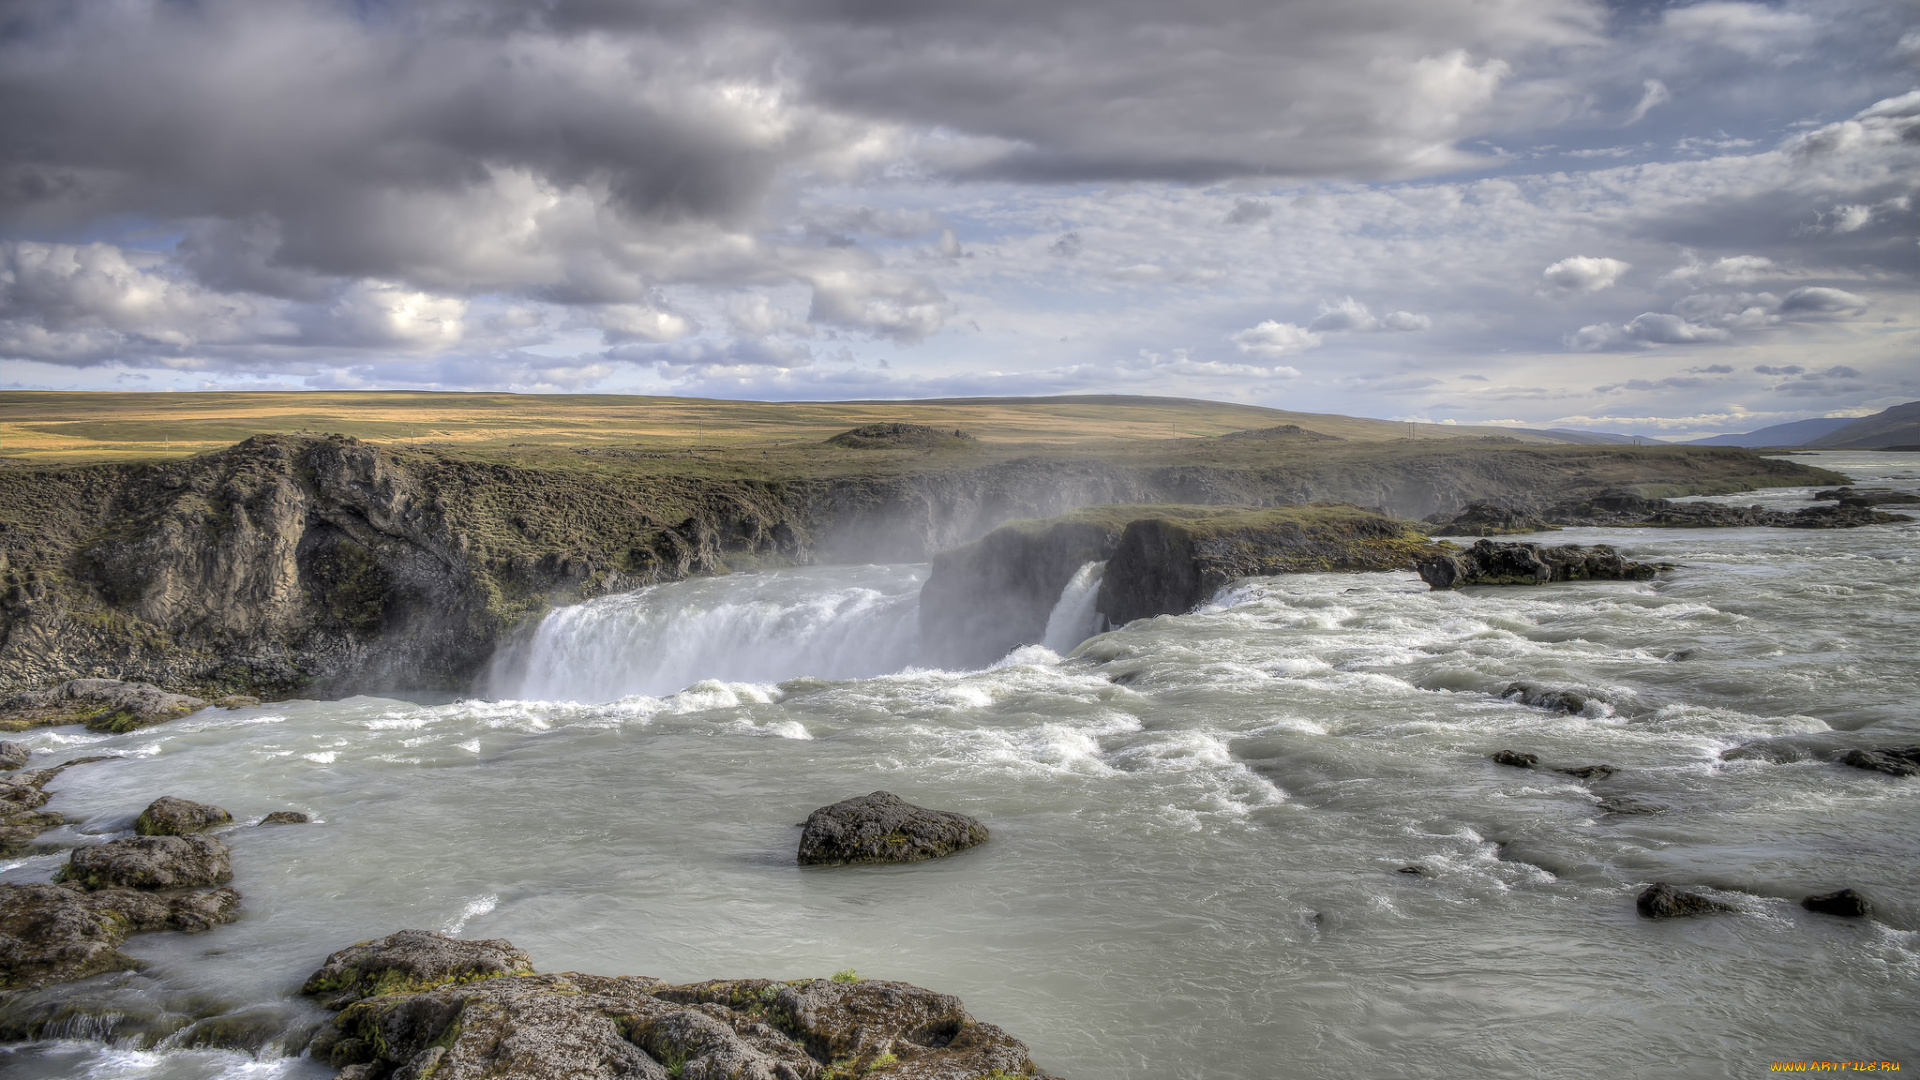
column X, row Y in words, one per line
column 325, row 565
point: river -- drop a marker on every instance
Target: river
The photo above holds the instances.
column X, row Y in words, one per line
column 1204, row 827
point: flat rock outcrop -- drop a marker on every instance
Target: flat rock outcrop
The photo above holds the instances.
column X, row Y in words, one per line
column 588, row 1027
column 150, row 862
column 52, row 933
column 102, row 704
column 170, row 816
column 1622, row 510
column 22, row 795
column 1662, row 901
column 884, row 828
column 1491, row 563
column 1892, row 760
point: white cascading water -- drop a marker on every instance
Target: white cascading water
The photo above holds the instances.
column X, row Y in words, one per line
column 826, row 622
column 1073, row 619
column 830, row 623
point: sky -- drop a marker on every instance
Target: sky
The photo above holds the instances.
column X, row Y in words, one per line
column 1670, row 220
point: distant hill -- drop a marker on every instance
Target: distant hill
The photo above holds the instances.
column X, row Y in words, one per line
column 1798, row 433
column 1585, row 438
column 1898, row 426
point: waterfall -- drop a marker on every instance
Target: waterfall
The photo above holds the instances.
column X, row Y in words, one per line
column 1073, row 619
column 831, row 622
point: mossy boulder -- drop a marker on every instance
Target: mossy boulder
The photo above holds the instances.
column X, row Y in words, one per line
column 884, row 828
column 13, row 755
column 169, row 816
column 150, row 862
column 591, row 1027
column 1490, row 563
column 106, row 705
column 410, row 961
column 51, row 933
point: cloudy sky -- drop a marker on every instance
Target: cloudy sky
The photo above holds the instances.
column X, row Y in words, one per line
column 1664, row 219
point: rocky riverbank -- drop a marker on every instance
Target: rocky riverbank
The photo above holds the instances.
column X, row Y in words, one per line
column 321, row 565
column 1619, row 509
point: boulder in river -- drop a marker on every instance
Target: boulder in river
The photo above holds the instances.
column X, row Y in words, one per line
column 1491, row 563
column 286, row 817
column 1571, row 702
column 1892, row 760
column 1662, row 901
column 150, row 862
column 409, row 961
column 1845, row 903
column 13, row 755
column 592, row 1026
column 1514, row 759
column 169, row 816
column 57, row 933
column 102, row 704
column 884, row 828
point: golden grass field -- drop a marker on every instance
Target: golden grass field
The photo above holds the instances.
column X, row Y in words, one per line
column 49, row 427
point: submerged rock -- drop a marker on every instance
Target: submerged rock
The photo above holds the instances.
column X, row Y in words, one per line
column 591, row 1026
column 13, row 755
column 1514, row 759
column 60, row 932
column 286, row 817
column 21, row 797
column 1845, row 903
column 1892, row 760
column 1662, row 901
column 1627, row 804
column 1587, row 772
column 102, row 704
column 168, row 816
column 1491, row 563
column 884, row 828
column 1562, row 701
column 150, row 862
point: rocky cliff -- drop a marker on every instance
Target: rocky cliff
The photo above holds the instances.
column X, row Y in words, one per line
column 322, row 564
column 996, row 594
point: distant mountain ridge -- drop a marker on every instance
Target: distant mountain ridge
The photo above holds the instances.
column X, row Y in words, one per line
column 1797, row 433
column 1897, row 426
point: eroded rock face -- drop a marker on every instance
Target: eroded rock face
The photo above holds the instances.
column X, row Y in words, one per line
column 101, row 704
column 884, row 828
column 640, row 1028
column 57, row 933
column 150, row 862
column 168, row 816
column 1662, row 901
column 1491, row 563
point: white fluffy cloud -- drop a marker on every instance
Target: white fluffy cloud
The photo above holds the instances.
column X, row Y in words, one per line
column 1584, row 274
column 1271, row 340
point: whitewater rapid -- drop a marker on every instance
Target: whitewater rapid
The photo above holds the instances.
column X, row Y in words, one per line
column 1203, row 825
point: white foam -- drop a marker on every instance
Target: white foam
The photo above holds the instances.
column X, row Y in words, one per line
column 476, row 907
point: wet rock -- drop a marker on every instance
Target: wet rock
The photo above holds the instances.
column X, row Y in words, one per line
column 150, row 862
column 102, row 704
column 1663, row 901
column 408, row 961
column 1514, row 759
column 884, row 828
column 1866, row 497
column 1892, row 760
column 168, row 816
column 1413, row 871
column 1489, row 562
column 1488, row 519
column 590, row 1026
column 1627, row 804
column 59, row 932
column 1587, row 772
column 21, row 796
column 1562, row 701
column 13, row 755
column 237, row 701
column 251, row 1029
column 286, row 817
column 1845, row 903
